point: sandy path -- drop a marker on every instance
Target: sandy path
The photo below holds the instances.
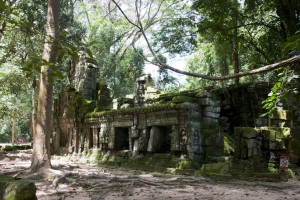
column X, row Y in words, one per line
column 91, row 182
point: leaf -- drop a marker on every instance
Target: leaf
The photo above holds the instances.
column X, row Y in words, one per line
column 92, row 43
column 89, row 52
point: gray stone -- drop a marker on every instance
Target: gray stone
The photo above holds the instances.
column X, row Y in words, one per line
column 215, row 109
column 11, row 189
column 215, row 115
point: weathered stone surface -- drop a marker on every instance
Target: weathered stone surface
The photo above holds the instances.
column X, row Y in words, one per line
column 208, row 102
column 204, row 117
column 11, row 189
column 215, row 109
column 103, row 97
column 215, row 115
column 210, row 120
column 221, row 167
column 282, row 114
column 157, row 139
column 83, row 76
column 280, row 133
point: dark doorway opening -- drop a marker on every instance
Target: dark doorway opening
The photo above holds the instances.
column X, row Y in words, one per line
column 91, row 143
column 122, row 138
column 160, row 139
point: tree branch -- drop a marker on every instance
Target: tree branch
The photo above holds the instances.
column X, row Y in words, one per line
column 157, row 62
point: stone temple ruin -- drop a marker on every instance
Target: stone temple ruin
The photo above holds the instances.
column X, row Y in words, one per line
column 195, row 124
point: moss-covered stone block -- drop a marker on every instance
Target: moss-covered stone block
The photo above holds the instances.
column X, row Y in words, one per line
column 282, row 133
column 11, row 189
column 272, row 135
column 282, row 114
column 267, row 134
column 249, row 132
column 182, row 99
column 221, row 167
column 220, row 176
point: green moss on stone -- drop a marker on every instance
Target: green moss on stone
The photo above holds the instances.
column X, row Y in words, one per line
column 144, row 109
column 11, row 189
column 184, row 164
column 282, row 114
column 221, row 167
column 182, row 99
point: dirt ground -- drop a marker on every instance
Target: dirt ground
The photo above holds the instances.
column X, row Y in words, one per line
column 89, row 181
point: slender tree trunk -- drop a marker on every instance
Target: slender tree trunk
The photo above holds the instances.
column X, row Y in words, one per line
column 235, row 42
column 13, row 125
column 224, row 69
column 33, row 112
column 41, row 141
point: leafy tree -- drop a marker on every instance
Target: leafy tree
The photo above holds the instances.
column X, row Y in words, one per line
column 187, row 30
column 119, row 62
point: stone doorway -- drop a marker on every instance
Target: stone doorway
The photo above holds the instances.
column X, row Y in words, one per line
column 159, row 139
column 121, row 138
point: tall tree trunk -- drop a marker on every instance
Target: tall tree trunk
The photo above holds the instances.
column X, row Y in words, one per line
column 224, row 70
column 33, row 112
column 13, row 125
column 235, row 42
column 41, row 141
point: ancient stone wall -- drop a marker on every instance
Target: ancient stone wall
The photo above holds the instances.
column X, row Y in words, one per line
column 190, row 123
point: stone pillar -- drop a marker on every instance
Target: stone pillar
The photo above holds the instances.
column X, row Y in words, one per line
column 175, row 139
column 111, row 138
column 135, row 147
column 95, row 137
column 143, row 140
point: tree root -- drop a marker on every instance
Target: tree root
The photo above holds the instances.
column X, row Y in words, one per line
column 49, row 174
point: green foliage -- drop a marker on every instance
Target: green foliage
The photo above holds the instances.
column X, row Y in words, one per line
column 198, row 28
column 117, row 71
column 185, row 164
column 280, row 90
column 164, row 81
column 293, row 43
column 228, row 144
column 22, row 40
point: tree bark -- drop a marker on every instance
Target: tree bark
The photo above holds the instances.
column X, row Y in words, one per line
column 13, row 124
column 235, row 42
column 33, row 112
column 41, row 141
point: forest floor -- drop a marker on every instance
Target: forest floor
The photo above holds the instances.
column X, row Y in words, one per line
column 89, row 181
